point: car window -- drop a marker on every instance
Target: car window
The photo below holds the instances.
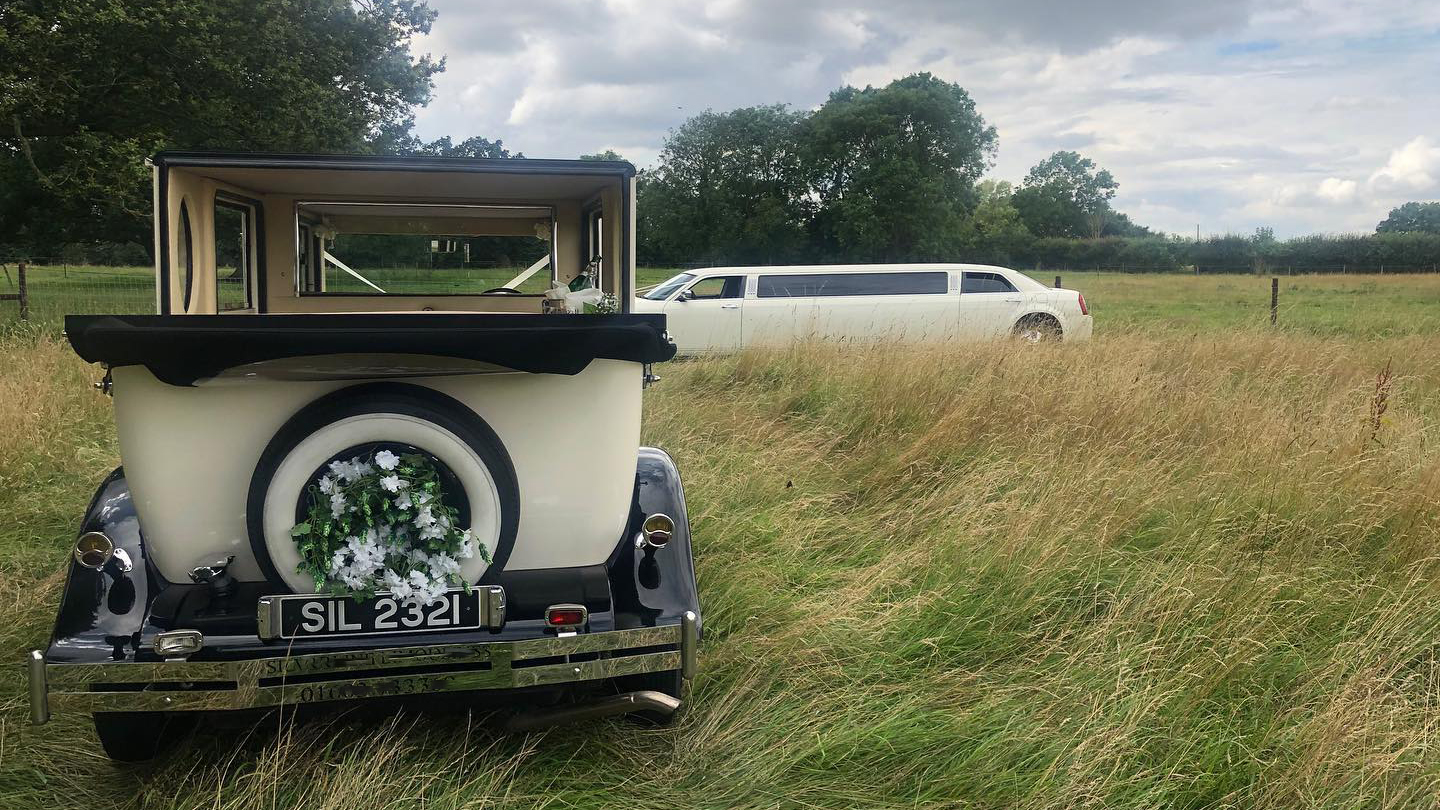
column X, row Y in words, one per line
column 232, row 255
column 986, row 283
column 718, row 287
column 832, row 284
column 183, row 257
column 670, row 285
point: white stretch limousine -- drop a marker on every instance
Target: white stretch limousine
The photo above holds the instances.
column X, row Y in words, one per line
column 723, row 308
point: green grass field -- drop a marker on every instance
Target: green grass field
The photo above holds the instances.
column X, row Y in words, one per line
column 1191, row 563
column 1341, row 305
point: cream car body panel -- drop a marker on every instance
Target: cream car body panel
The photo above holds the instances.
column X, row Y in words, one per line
column 978, row 308
column 575, row 465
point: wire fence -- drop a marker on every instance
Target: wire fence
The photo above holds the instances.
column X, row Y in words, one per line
column 52, row 291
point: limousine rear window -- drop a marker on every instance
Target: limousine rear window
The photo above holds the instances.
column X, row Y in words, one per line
column 670, row 286
column 985, row 283
column 831, row 284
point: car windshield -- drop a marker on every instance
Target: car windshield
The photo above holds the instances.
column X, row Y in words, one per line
column 669, row 287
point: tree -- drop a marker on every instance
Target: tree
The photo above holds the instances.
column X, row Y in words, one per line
column 1412, row 216
column 729, row 185
column 893, row 169
column 408, row 143
column 89, row 88
column 1118, row 224
column 1066, row 195
column 993, row 232
column 608, row 154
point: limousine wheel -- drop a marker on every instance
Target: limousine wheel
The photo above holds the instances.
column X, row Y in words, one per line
column 476, row 471
column 1037, row 329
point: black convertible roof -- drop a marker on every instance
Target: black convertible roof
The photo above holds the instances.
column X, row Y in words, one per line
column 181, row 349
column 286, row 160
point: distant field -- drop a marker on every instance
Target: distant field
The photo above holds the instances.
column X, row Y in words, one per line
column 1189, row 564
column 1359, row 305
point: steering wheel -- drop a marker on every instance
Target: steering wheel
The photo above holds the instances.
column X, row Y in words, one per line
column 502, row 291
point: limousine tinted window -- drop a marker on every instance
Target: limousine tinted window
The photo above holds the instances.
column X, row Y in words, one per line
column 828, row 284
column 986, row 283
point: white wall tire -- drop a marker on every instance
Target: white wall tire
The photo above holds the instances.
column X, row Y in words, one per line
column 390, row 414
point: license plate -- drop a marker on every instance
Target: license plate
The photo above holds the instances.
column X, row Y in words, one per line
column 318, row 615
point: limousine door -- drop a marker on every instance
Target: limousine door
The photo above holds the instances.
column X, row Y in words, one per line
column 988, row 305
column 706, row 316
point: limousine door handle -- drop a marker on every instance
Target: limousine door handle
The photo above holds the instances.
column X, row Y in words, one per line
column 1013, row 300
column 729, row 306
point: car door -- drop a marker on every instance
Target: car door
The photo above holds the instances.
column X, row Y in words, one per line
column 989, row 304
column 707, row 315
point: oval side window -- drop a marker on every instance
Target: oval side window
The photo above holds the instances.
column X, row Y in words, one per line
column 184, row 254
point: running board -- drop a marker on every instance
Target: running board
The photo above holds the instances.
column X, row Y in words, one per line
column 626, row 703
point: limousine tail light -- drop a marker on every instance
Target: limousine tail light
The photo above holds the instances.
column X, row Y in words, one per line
column 1084, row 310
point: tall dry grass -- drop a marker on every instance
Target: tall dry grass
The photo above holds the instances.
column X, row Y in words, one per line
column 1147, row 571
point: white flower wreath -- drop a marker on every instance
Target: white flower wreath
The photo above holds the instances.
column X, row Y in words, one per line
column 383, row 525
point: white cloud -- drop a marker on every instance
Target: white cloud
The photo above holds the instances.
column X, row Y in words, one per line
column 1337, row 191
column 1232, row 114
column 1413, row 167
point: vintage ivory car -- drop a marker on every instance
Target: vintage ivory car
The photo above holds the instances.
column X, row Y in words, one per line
column 346, row 479
column 721, row 309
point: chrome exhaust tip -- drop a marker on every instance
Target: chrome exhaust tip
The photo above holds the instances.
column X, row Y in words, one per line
column 625, row 703
column 93, row 550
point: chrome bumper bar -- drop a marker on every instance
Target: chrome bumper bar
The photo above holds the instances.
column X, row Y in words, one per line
column 319, row 677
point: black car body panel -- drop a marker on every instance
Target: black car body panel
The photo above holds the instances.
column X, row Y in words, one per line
column 111, row 616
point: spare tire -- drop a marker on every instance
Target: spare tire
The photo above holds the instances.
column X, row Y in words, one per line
column 478, row 474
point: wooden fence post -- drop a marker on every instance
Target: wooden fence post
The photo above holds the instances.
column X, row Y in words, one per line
column 1274, row 299
column 1057, row 282
column 24, row 292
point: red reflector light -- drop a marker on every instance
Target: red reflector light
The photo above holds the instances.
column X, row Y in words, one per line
column 565, row 615
column 1084, row 310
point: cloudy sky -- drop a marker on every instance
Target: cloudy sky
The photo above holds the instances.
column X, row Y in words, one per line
column 1300, row 115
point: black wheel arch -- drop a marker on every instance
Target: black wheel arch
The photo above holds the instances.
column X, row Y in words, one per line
column 655, row 586
column 105, row 610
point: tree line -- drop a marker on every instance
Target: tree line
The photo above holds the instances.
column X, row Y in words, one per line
column 90, row 88
column 895, row 174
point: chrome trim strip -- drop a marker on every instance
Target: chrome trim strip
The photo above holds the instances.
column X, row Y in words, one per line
column 39, row 703
column 494, row 604
column 265, row 621
column 238, row 684
column 689, row 645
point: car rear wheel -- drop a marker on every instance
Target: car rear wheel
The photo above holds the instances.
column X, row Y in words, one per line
column 1037, row 329
column 478, row 473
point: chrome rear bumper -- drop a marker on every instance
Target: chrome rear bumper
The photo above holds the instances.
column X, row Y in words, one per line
column 316, row 678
